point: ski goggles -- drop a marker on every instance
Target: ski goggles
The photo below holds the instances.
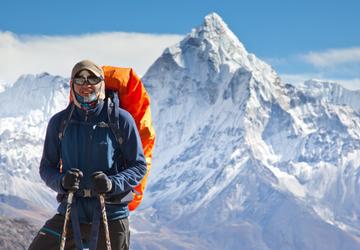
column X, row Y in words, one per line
column 92, row 80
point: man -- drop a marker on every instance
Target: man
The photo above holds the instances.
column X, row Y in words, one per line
column 87, row 159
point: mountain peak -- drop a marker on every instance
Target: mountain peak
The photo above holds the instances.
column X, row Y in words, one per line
column 206, row 61
column 216, row 31
column 214, row 22
column 206, row 49
column 33, row 91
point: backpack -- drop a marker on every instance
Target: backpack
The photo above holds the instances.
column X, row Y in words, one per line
column 126, row 90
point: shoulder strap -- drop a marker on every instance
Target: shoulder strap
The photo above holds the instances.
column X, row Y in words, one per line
column 65, row 121
column 63, row 125
column 113, row 112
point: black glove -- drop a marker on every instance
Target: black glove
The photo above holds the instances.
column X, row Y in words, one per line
column 71, row 180
column 101, row 183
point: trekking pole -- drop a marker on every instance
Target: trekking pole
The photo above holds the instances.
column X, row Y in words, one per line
column 105, row 221
column 67, row 219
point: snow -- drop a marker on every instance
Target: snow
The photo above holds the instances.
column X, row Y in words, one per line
column 288, row 182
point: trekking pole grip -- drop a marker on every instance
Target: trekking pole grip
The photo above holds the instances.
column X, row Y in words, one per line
column 67, row 219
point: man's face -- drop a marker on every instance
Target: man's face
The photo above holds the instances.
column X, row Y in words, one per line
column 86, row 89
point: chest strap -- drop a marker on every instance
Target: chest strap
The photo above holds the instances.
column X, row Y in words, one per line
column 118, row 199
column 85, row 193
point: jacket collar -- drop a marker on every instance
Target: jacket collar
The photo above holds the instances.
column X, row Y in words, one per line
column 88, row 115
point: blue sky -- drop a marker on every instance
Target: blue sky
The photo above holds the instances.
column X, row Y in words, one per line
column 300, row 39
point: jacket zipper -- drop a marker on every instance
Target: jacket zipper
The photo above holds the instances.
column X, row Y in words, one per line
column 86, row 115
column 86, row 119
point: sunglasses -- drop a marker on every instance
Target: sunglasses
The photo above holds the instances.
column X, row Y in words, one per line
column 92, row 80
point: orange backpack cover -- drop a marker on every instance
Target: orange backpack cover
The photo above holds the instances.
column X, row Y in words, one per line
column 134, row 98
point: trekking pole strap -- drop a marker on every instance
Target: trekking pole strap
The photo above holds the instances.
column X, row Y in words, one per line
column 95, row 227
column 76, row 226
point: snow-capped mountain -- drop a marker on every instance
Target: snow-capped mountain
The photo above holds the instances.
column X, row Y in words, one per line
column 238, row 151
column 242, row 161
column 26, row 108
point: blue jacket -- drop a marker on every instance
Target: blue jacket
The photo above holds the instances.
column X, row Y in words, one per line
column 92, row 148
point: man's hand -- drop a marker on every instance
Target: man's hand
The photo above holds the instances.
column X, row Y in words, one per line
column 71, row 180
column 101, row 183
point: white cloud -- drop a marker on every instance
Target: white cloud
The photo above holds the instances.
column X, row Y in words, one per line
column 333, row 57
column 57, row 54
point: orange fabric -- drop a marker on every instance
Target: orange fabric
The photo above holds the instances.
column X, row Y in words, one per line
column 133, row 98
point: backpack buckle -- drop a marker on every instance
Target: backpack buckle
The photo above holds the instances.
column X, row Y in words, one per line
column 87, row 193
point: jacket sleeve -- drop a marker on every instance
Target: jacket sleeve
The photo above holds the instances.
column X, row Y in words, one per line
column 133, row 153
column 50, row 160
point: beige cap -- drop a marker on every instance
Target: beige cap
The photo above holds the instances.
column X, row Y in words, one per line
column 88, row 65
